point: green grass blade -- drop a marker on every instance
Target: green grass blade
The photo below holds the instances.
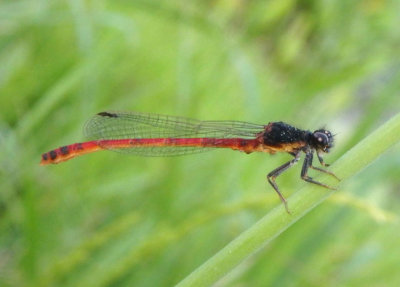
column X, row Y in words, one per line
column 277, row 221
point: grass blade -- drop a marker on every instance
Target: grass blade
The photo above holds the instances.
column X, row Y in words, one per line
column 277, row 221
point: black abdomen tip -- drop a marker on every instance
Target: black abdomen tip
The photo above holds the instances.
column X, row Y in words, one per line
column 45, row 156
column 53, row 154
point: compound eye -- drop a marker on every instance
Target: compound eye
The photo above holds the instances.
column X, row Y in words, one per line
column 322, row 140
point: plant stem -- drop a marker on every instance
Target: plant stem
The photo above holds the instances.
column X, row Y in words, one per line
column 300, row 203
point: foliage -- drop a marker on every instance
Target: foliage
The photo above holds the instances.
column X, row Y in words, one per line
column 107, row 219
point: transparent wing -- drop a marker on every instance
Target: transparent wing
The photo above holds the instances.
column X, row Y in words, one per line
column 134, row 125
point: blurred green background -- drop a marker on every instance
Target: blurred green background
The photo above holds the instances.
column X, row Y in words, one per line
column 108, row 219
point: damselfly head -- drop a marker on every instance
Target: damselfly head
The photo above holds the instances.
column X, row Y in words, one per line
column 322, row 140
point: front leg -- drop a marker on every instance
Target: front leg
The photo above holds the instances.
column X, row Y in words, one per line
column 321, row 160
column 325, row 171
column 306, row 165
